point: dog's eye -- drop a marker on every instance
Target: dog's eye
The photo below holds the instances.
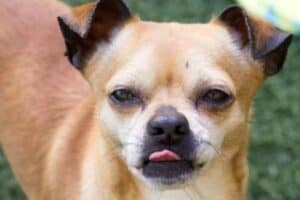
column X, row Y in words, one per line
column 125, row 97
column 215, row 99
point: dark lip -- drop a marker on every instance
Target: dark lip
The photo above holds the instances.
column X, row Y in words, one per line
column 147, row 161
column 169, row 172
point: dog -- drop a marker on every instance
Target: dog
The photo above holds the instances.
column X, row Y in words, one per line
column 166, row 113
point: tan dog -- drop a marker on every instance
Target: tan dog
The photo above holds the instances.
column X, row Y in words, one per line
column 173, row 102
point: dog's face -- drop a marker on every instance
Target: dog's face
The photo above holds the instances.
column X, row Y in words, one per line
column 171, row 96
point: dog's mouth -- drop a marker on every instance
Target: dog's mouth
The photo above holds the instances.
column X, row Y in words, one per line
column 168, row 168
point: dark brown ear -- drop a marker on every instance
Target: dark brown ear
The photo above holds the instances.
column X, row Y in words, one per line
column 89, row 25
column 267, row 43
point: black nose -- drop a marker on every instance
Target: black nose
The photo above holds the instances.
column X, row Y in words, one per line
column 168, row 126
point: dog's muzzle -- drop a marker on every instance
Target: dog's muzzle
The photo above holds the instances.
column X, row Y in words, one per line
column 170, row 148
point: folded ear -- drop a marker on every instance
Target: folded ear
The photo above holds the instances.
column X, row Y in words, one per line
column 89, row 25
column 268, row 44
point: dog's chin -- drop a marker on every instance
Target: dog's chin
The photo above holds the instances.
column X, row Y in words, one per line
column 170, row 174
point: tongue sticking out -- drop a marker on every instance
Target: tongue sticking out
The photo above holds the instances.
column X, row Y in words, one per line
column 165, row 155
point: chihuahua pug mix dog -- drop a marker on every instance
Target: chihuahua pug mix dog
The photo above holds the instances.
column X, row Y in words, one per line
column 170, row 110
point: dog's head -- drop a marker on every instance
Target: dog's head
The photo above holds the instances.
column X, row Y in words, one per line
column 171, row 95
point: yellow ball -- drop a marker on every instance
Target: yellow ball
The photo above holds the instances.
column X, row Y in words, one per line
column 283, row 13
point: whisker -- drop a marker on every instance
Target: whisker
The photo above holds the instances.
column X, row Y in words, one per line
column 197, row 192
column 216, row 149
column 188, row 194
column 160, row 196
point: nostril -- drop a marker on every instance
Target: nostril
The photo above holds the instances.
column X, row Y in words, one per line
column 157, row 131
column 168, row 128
column 181, row 129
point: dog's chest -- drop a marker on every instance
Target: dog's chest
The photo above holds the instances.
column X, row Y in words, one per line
column 173, row 195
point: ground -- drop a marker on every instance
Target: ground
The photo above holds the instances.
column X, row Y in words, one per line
column 275, row 139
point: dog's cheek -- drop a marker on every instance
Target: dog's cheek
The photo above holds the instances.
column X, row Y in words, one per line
column 126, row 130
column 132, row 154
column 134, row 142
column 233, row 120
column 113, row 123
column 225, row 131
column 204, row 133
column 215, row 129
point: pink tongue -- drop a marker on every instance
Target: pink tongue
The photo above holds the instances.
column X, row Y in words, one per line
column 165, row 155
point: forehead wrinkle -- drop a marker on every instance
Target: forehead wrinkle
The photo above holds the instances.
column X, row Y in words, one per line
column 204, row 70
column 138, row 71
column 159, row 54
column 107, row 50
column 173, row 40
column 216, row 51
column 238, row 65
column 111, row 56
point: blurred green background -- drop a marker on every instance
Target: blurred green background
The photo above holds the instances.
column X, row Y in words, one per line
column 275, row 140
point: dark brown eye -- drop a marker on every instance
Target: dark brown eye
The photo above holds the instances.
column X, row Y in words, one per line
column 215, row 98
column 125, row 97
